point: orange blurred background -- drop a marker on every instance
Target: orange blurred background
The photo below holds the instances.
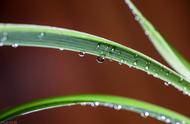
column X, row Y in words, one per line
column 32, row 73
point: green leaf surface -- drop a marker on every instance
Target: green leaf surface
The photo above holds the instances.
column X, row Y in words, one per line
column 169, row 53
column 118, row 103
column 51, row 37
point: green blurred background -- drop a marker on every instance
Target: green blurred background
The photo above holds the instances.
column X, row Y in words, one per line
column 32, row 73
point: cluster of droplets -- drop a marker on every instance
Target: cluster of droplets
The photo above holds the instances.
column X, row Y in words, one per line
column 143, row 113
column 4, row 38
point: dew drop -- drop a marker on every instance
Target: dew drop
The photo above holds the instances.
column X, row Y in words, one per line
column 155, row 75
column 83, row 104
column 96, row 103
column 15, row 45
column 135, row 63
column 98, row 46
column 81, row 54
column 147, row 33
column 145, row 114
column 61, row 49
column 100, row 59
column 168, row 120
column 121, row 62
column 137, row 18
column 167, row 83
column 41, row 35
column 181, row 79
column 1, row 44
column 146, row 67
column 112, row 50
column 162, row 118
column 117, row 107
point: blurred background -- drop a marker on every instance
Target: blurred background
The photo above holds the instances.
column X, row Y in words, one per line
column 32, row 73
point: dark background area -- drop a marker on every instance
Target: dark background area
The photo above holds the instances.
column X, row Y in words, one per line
column 32, row 73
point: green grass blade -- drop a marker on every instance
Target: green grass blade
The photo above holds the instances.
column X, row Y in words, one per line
column 115, row 102
column 170, row 54
column 51, row 37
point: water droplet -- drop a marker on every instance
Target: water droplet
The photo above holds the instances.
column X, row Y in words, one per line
column 135, row 63
column 100, row 59
column 181, row 78
column 121, row 62
column 15, row 45
column 61, row 49
column 155, row 75
column 81, row 54
column 41, row 35
column 146, row 67
column 83, row 104
column 98, row 46
column 162, row 118
column 137, row 18
column 168, row 120
column 145, row 114
column 96, row 103
column 147, row 33
column 167, row 83
column 112, row 50
column 117, row 107
column 3, row 38
column 1, row 44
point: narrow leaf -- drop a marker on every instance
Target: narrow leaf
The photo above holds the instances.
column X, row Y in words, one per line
column 51, row 37
column 118, row 103
column 169, row 53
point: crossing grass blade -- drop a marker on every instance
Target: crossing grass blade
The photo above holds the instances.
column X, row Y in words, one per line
column 169, row 53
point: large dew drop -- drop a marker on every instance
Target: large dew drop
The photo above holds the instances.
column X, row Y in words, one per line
column 100, row 59
column 81, row 54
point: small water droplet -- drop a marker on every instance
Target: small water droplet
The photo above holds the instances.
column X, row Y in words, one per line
column 96, row 103
column 61, row 49
column 135, row 63
column 81, row 54
column 41, row 35
column 112, row 50
column 146, row 67
column 117, row 107
column 15, row 45
column 100, row 59
column 121, row 62
column 137, row 18
column 168, row 120
column 83, row 104
column 162, row 118
column 130, row 66
column 1, row 44
column 147, row 33
column 155, row 75
column 145, row 114
column 98, row 46
column 167, row 83
column 181, row 78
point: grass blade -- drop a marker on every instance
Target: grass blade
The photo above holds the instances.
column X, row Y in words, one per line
column 170, row 54
column 115, row 102
column 51, row 37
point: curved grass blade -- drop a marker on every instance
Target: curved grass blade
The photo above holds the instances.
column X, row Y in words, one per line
column 118, row 103
column 169, row 53
column 51, row 37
